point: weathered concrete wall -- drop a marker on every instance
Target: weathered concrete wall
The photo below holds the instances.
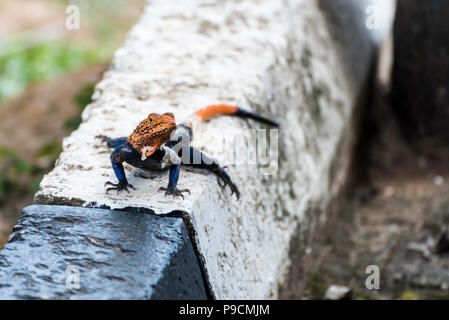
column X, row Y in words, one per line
column 278, row 58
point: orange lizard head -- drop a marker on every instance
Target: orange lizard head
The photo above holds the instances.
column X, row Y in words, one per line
column 152, row 132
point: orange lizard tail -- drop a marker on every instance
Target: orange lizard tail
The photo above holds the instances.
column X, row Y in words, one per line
column 225, row 109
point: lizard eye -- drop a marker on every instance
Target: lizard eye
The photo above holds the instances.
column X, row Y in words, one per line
column 151, row 120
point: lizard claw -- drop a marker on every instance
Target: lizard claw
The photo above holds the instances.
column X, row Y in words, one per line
column 172, row 190
column 221, row 185
column 118, row 186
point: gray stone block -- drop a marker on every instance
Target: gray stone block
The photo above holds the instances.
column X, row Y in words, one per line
column 119, row 255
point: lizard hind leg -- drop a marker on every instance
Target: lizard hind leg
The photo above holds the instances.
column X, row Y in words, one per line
column 112, row 143
column 200, row 160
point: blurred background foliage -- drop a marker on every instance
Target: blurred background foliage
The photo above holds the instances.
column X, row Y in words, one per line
column 47, row 76
column 21, row 67
column 22, row 64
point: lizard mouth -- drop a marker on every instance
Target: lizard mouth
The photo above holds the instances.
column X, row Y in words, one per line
column 154, row 142
column 146, row 152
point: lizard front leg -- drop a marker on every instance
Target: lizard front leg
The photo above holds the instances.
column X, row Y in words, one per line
column 120, row 154
column 172, row 188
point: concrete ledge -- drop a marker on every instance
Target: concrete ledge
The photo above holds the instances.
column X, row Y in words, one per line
column 118, row 254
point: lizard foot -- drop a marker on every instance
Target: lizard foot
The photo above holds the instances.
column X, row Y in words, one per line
column 174, row 191
column 226, row 181
column 118, row 186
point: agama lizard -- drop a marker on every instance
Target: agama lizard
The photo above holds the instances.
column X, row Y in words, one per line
column 157, row 144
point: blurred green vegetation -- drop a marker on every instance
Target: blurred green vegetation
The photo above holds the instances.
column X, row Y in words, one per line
column 20, row 68
column 106, row 22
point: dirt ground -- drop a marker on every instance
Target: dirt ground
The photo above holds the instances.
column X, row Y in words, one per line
column 34, row 119
column 396, row 218
column 38, row 118
column 15, row 19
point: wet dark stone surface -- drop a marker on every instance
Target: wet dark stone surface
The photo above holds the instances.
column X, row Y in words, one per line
column 119, row 255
